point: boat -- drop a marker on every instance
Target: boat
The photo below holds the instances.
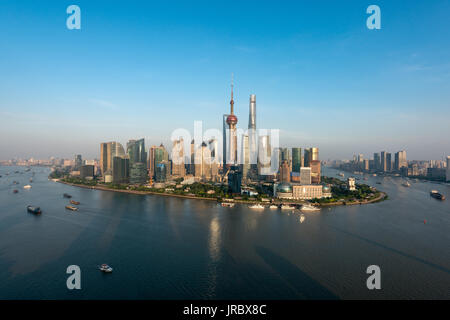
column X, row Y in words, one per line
column 378, row 182
column 287, row 207
column 341, row 174
column 302, row 218
column 273, row 206
column 307, row 207
column 256, row 206
column 15, row 191
column 74, row 202
column 105, row 268
column 66, row 195
column 71, row 208
column 33, row 209
column 406, row 184
column 227, row 204
column 435, row 194
column 27, row 186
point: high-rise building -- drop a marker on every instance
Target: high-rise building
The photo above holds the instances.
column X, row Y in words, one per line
column 87, row 172
column 310, row 155
column 252, row 135
column 78, row 162
column 137, row 160
column 388, row 162
column 400, row 160
column 232, row 121
column 157, row 155
column 285, row 171
column 376, row 161
column 245, row 157
column 108, row 151
column 120, row 172
column 234, row 179
column 264, row 156
column 315, row 171
column 296, row 159
column 136, row 151
column 305, row 175
column 203, row 163
column 161, row 171
column 447, row 172
column 138, row 173
column 383, row 162
column 178, row 168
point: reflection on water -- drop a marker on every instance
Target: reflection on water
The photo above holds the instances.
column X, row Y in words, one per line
column 171, row 248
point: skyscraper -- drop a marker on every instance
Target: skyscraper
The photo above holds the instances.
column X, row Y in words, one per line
column 264, row 156
column 232, row 121
column 138, row 157
column 447, row 172
column 108, row 151
column 383, row 162
column 376, row 161
column 285, row 171
column 178, row 168
column 157, row 155
column 388, row 162
column 252, row 135
column 296, row 159
column 315, row 171
column 400, row 160
column 78, row 162
column 305, row 175
column 245, row 157
column 307, row 157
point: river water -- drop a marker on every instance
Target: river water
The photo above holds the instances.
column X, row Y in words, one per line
column 172, row 248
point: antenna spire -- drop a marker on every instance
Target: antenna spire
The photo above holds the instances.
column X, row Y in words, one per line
column 232, row 101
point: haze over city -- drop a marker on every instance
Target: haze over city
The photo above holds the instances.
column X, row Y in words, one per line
column 140, row 70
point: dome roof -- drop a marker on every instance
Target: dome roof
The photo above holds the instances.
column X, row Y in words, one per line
column 284, row 187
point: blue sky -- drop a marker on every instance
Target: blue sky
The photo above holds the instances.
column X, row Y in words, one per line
column 142, row 69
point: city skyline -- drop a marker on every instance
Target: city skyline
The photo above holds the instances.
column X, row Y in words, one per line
column 320, row 76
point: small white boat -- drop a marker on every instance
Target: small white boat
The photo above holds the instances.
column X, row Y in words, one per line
column 406, row 184
column 302, row 218
column 27, row 186
column 286, row 207
column 227, row 204
column 256, row 206
column 105, row 268
column 307, row 207
column 273, row 207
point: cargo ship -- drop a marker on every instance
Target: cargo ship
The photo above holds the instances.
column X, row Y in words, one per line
column 66, row 195
column 72, row 208
column 435, row 194
column 74, row 202
column 35, row 210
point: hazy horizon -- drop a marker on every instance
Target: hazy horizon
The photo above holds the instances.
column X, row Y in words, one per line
column 141, row 70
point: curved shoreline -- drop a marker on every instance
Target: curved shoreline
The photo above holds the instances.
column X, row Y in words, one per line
column 381, row 197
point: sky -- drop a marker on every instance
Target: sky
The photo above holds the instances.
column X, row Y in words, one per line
column 141, row 69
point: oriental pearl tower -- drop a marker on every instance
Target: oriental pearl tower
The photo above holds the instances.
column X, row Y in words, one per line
column 232, row 121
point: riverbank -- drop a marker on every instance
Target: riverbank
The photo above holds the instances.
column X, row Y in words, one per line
column 381, row 197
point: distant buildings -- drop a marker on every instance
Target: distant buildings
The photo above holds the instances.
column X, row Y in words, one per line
column 112, row 169
column 234, row 179
column 156, row 156
column 447, row 175
column 87, row 172
column 315, row 171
